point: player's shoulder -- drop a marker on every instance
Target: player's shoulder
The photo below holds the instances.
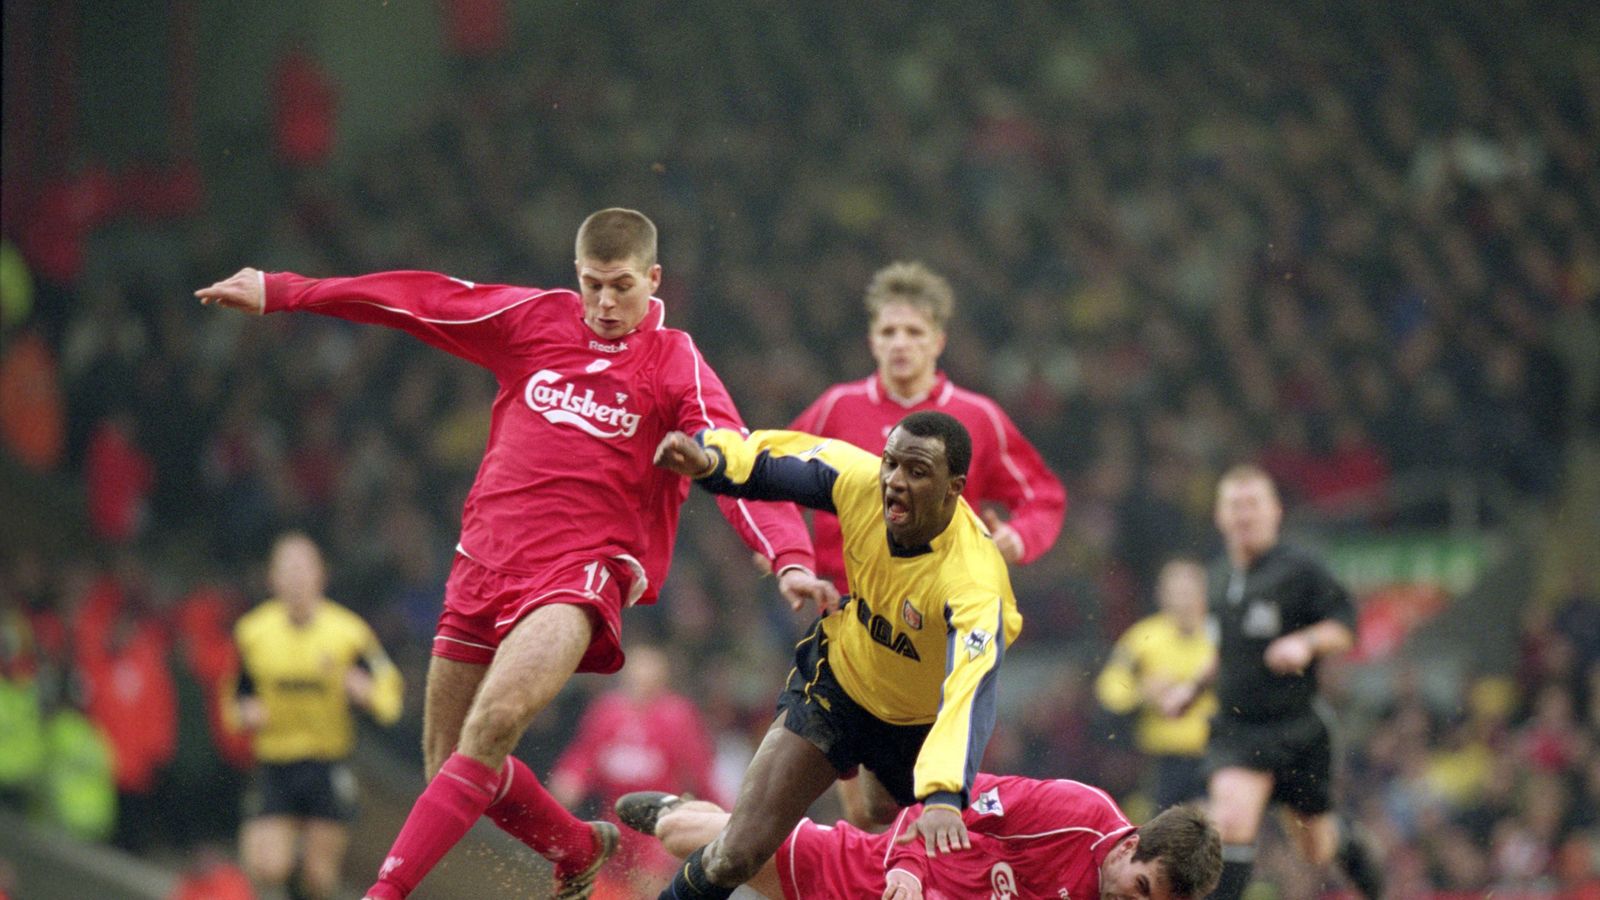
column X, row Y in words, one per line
column 857, row 390
column 1086, row 800
column 1149, row 628
column 530, row 300
column 1302, row 556
column 972, row 407
column 973, row 540
column 343, row 617
column 1296, row 560
column 262, row 615
column 676, row 349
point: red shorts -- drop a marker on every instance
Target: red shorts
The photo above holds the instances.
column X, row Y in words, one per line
column 481, row 606
column 826, row 862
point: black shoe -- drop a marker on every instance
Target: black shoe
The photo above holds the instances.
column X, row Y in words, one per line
column 1359, row 860
column 641, row 810
column 580, row 885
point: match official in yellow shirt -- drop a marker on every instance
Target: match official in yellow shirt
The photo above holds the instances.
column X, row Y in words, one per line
column 1168, row 648
column 304, row 662
column 902, row 680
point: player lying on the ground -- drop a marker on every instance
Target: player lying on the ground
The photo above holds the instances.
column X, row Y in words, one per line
column 1030, row 839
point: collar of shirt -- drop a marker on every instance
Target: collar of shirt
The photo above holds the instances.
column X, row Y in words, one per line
column 938, row 392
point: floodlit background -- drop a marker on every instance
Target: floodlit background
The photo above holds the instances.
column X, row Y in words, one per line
column 1358, row 244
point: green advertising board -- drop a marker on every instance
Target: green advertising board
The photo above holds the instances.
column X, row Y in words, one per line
column 1452, row 562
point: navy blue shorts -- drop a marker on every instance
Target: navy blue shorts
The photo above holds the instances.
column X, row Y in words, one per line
column 308, row 789
column 819, row 710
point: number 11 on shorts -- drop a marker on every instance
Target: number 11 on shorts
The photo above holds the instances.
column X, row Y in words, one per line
column 598, row 576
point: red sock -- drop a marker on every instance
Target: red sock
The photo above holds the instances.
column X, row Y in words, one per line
column 526, row 811
column 452, row 801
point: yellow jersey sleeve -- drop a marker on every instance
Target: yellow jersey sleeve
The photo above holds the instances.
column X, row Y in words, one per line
column 975, row 642
column 388, row 687
column 1117, row 686
column 783, row 465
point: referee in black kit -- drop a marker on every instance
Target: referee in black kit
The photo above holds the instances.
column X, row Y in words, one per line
column 1280, row 610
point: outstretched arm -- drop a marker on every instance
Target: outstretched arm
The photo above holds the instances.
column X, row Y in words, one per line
column 479, row 323
column 767, row 465
column 774, row 531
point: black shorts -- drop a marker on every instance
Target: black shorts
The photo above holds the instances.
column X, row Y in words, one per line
column 820, row 711
column 1298, row 752
column 308, row 789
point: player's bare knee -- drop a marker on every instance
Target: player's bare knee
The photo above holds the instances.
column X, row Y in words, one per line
column 319, row 882
column 493, row 729
column 267, row 872
column 1236, row 828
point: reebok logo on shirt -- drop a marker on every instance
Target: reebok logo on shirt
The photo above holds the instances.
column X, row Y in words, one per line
column 562, row 405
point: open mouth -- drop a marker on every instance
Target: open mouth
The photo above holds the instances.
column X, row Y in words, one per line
column 895, row 512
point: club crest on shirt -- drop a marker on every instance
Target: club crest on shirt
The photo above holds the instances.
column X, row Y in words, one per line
column 910, row 614
column 977, row 642
column 988, row 803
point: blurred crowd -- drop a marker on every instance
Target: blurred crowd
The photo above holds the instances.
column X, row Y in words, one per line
column 1360, row 247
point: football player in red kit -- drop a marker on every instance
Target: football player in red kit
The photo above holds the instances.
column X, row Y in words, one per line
column 567, row 523
column 1030, row 840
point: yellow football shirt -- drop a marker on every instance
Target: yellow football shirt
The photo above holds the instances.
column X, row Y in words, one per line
column 1155, row 651
column 298, row 672
column 925, row 629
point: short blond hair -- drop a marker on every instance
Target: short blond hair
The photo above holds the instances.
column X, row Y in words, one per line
column 911, row 283
column 617, row 234
column 1247, row 472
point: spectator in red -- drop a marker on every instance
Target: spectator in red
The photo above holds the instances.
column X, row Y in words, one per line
column 33, row 424
column 122, row 656
column 119, row 477
column 304, row 110
column 641, row 737
column 477, row 29
column 212, row 876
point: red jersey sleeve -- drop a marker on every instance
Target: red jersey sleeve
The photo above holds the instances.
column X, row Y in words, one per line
column 460, row 317
column 912, row 857
column 774, row 530
column 1018, row 479
column 814, row 418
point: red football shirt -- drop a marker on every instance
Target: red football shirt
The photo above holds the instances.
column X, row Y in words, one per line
column 1005, row 470
column 574, row 424
column 1031, row 840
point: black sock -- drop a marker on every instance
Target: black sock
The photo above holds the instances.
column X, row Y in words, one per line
column 691, row 883
column 1237, row 861
column 1359, row 862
